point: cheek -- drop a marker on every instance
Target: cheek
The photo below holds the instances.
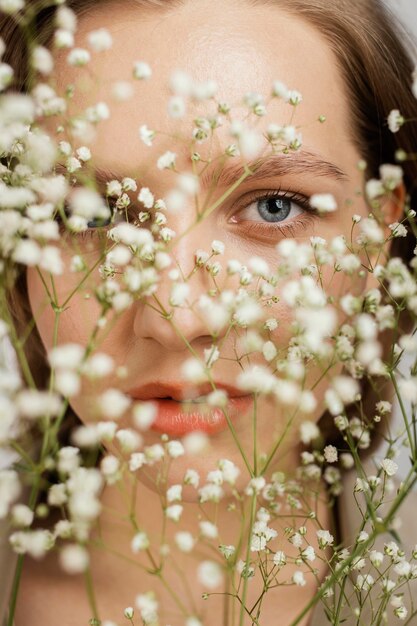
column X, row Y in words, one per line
column 78, row 317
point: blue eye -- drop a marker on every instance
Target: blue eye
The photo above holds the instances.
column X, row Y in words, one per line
column 274, row 209
column 98, row 223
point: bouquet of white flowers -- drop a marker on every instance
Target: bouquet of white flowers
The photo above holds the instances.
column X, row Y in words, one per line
column 208, row 299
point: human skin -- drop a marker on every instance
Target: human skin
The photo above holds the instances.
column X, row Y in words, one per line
column 243, row 48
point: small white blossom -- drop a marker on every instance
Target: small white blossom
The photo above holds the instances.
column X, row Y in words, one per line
column 167, row 160
column 194, row 370
column 299, row 579
column 146, row 134
column 144, row 414
column 210, row 574
column 22, row 515
column 129, row 612
column 113, row 403
column 74, row 559
column 78, row 57
column 191, row 477
column 146, row 197
column 330, row 454
column 389, row 467
column 324, row 203
column 11, row 6
column 395, row 120
column 308, row 432
column 324, row 538
column 173, row 512
column 140, row 542
column 63, row 38
column 208, row 529
column 176, row 107
column 184, row 541
column 175, row 449
column 41, row 60
column 142, row 70
column 100, row 40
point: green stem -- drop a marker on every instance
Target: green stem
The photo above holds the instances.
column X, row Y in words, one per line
column 245, row 582
column 90, row 594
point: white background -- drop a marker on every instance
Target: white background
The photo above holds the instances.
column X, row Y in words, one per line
column 406, row 10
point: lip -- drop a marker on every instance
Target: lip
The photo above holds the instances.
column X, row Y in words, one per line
column 177, row 419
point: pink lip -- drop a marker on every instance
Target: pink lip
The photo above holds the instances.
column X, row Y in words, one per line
column 175, row 421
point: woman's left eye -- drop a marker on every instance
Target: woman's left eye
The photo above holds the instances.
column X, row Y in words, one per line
column 273, row 214
column 274, row 207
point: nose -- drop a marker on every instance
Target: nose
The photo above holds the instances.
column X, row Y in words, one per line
column 156, row 318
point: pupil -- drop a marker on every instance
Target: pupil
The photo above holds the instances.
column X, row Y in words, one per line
column 274, row 209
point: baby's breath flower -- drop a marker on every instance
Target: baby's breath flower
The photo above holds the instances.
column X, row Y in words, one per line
column 389, row 467
column 148, row 607
column 280, row 90
column 140, row 542
column 324, row 203
column 175, row 449
column 113, row 403
column 144, row 414
column 100, row 40
column 401, row 612
column 142, row 70
column 176, row 107
column 227, row 551
column 391, row 176
column 193, row 621
column 208, row 529
column 191, row 477
column 195, row 442
column 395, row 120
column 180, row 83
column 309, row 431
column 408, row 389
column 146, row 134
column 229, row 470
column 174, row 511
column 279, row 559
column 324, row 538
column 298, row 578
column 63, row 38
column 194, row 370
column 330, row 454
column 78, row 57
column 154, row 453
column 74, row 559
column 167, row 160
column 11, row 6
column 184, row 541
column 209, row 574
column 364, row 582
column 136, row 461
column 22, row 515
column 210, row 493
column 41, row 60
column 308, row 554
column 129, row 439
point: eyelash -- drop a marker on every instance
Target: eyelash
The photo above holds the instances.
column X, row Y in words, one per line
column 271, row 229
column 262, row 228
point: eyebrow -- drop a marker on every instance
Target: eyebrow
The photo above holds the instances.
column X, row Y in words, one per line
column 270, row 166
column 302, row 162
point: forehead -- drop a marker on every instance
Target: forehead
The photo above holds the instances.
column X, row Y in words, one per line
column 240, row 46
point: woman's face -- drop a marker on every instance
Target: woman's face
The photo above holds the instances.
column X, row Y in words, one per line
column 243, row 48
